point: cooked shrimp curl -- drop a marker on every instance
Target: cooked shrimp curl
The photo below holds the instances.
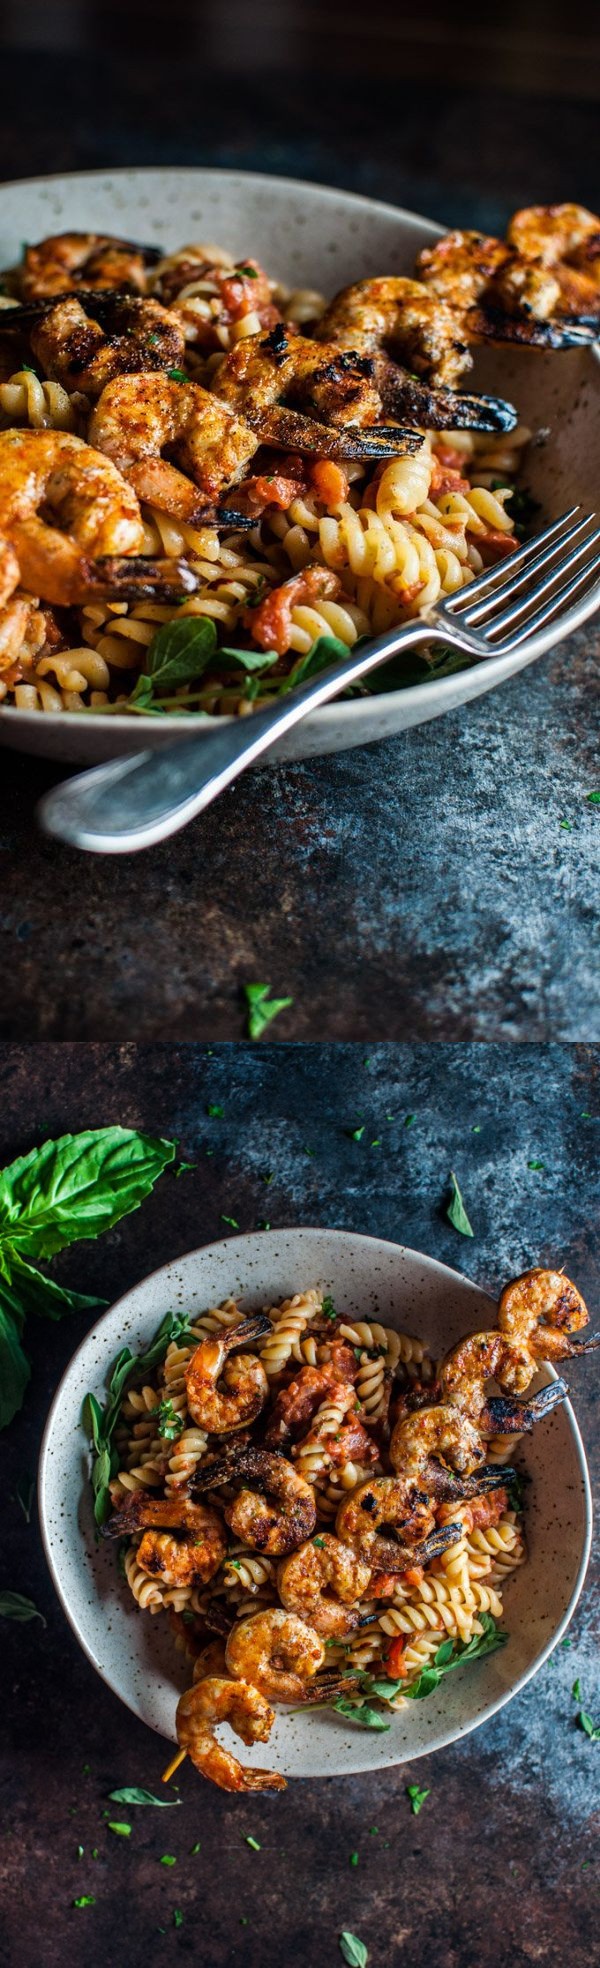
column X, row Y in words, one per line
column 277, row 1652
column 322, row 1583
column 223, row 1393
column 89, row 539
column 273, row 1527
column 84, row 348
column 215, row 1699
column 68, row 260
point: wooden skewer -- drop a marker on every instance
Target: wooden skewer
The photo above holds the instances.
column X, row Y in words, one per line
column 173, row 1765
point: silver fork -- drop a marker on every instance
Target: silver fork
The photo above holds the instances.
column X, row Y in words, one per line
column 134, row 802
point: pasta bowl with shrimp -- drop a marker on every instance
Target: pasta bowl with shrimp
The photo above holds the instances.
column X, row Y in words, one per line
column 223, row 463
column 308, row 1508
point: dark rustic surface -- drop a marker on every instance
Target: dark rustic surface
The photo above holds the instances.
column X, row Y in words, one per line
column 501, row 1868
column 421, row 888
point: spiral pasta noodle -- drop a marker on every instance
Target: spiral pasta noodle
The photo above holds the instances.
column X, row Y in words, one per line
column 289, row 1323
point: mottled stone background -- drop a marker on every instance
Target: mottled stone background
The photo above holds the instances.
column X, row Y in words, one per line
column 500, row 1870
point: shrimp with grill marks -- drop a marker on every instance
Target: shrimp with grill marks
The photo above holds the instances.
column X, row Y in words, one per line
column 539, row 287
column 322, row 1582
column 275, row 381
column 216, row 1699
column 396, row 1504
column 86, row 348
column 277, row 1652
column 87, row 543
column 138, row 418
column 66, row 261
column 276, row 1527
column 400, row 318
column 244, row 1388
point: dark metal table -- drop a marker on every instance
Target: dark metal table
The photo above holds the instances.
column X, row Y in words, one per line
column 501, row 1868
column 441, row 885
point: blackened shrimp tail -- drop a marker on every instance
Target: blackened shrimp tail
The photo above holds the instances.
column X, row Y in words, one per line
column 134, row 577
column 293, row 431
column 444, row 409
column 480, row 1482
column 508, row 1416
column 491, row 325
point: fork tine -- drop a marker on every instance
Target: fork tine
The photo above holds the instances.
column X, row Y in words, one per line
column 494, row 577
column 500, row 620
column 554, row 606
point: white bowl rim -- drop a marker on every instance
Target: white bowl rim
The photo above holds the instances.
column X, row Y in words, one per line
column 442, row 1739
column 351, row 710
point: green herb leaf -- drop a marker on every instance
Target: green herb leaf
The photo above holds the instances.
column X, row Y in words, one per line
column 168, row 1859
column 249, row 272
column 14, row 1607
column 251, row 660
column 170, row 1423
column 86, row 1899
column 177, row 376
column 354, row 1858
column 328, row 1308
column 132, row 1795
column 194, row 1849
column 215, row 1112
column 122, row 1830
column 452, row 1654
column 232, row 1221
column 366, row 1717
column 177, row 1917
column 261, row 1008
column 178, row 653
column 254, row 1843
column 593, row 799
column 320, row 1543
column 456, row 1211
column 536, row 1165
column 15, row 1370
column 23, row 1495
column 576, row 1691
column 417, row 1798
column 76, row 1187
column 328, row 649
column 356, row 1134
column 353, row 1950
column 590, row 1728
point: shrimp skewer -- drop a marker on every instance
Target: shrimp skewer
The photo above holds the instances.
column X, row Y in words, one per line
column 216, row 1699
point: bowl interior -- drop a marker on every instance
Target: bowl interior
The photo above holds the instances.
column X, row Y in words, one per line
column 367, row 1278
column 309, row 235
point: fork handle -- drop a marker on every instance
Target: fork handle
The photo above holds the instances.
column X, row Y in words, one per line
column 136, row 801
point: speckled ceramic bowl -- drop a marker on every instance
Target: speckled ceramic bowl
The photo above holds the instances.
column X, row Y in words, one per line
column 368, row 1278
column 311, row 236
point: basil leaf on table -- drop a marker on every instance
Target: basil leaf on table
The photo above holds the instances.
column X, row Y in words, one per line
column 456, row 1212
column 178, row 653
column 15, row 1370
column 14, row 1607
column 135, row 1796
column 353, row 1950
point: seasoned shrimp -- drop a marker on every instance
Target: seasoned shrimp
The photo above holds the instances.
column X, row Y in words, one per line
column 465, row 1371
column 67, row 260
column 85, row 348
column 244, row 1386
column 322, row 1582
column 215, row 1699
column 540, row 1313
column 84, row 493
column 429, row 1446
column 565, row 240
column 397, row 1504
column 273, row 381
column 539, row 287
column 190, row 1560
column 140, row 1510
column 277, row 1652
column 274, row 1528
column 139, row 417
column 401, row 317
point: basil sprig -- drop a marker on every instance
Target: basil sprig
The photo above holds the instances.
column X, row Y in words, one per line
column 453, row 1653
column 181, row 651
column 101, row 1422
column 59, row 1194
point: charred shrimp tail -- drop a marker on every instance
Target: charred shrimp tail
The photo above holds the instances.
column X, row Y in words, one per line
column 444, row 409
column 507, row 1415
column 134, row 577
column 293, row 431
column 489, row 325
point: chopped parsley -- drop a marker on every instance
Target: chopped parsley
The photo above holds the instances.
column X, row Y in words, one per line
column 177, row 1917
column 416, row 1798
column 170, row 1423
column 232, row 1221
column 253, row 1842
column 408, row 1119
column 354, row 1951
column 456, row 1211
column 593, row 799
column 355, row 1134
column 590, row 1728
column 328, row 1308
column 168, row 1859
column 194, row 1849
column 122, row 1830
column 320, row 1543
column 215, row 1112
column 354, row 1858
column 177, row 376
column 536, row 1165
column 87, row 1899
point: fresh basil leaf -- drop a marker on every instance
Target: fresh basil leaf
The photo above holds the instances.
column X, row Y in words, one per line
column 14, row 1366
column 426, row 1683
column 134, row 1796
column 576, row 1691
column 77, row 1187
column 328, row 649
column 14, row 1607
column 44, row 1296
column 590, row 1728
column 251, row 659
column 444, row 1653
column 178, row 653
column 353, row 1950
column 593, row 799
column 384, row 1689
column 456, row 1211
column 416, row 1798
column 452, row 1654
column 170, row 1423
column 261, row 1008
column 366, row 1717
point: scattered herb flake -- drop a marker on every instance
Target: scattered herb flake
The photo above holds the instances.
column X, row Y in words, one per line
column 408, row 1119
column 591, row 1729
column 476, row 1129
column 231, row 1220
column 177, row 376
column 536, row 1165
column 416, row 1798
column 253, row 1842
column 355, row 1134
column 87, row 1899
column 80, row 1851
column 13, row 1606
column 177, row 1917
column 122, row 1830
column 456, row 1211
column 261, row 1008
column 353, row 1950
column 354, row 1858
column 567, row 826
column 328, row 1308
column 376, row 1144
column 320, row 1543
column 215, row 1112
column 131, row 1795
column 170, row 1423
column 194, row 1849
column 576, row 1691
column 593, row 799
column 168, row 1859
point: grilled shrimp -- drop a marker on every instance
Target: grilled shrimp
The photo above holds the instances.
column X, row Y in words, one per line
column 277, row 1652
column 540, row 1313
column 84, row 348
column 68, row 260
column 396, row 1503
column 322, row 1582
column 215, row 1699
column 190, row 1560
column 244, row 1389
column 141, row 1510
column 275, row 380
column 84, row 493
column 564, row 239
column 539, row 287
column 139, row 417
column 274, row 1528
column 462, row 1378
column 400, row 317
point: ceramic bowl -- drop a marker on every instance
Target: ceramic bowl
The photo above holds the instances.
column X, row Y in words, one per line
column 308, row 235
column 368, row 1278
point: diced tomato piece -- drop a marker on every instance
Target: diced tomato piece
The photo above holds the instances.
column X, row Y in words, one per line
column 394, row 1659
column 329, row 482
column 494, row 544
column 270, row 624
